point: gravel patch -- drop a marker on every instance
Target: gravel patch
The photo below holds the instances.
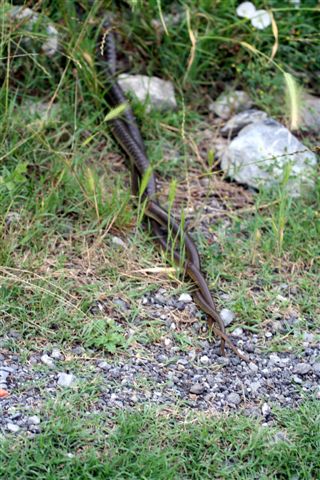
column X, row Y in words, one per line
column 162, row 373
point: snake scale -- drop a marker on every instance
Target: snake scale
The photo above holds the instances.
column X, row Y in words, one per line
column 127, row 134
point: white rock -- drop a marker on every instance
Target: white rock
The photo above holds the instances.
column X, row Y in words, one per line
column 118, row 242
column 230, row 102
column 241, row 120
column 259, row 154
column 204, row 360
column 56, row 354
column 266, row 410
column 237, row 332
column 167, row 342
column 66, row 379
column 34, row 420
column 12, row 427
column 47, row 360
column 157, row 93
column 185, row 298
column 253, row 367
column 227, row 316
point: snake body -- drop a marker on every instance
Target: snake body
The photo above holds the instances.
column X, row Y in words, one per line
column 126, row 132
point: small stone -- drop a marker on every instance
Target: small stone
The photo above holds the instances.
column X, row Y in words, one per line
column 237, row 332
column 118, row 242
column 268, row 334
column 34, row 420
column 308, row 337
column 234, row 398
column 266, row 410
column 167, row 342
column 121, row 304
column 3, row 375
column 12, row 427
column 56, row 354
column 204, row 360
column 297, row 379
column 47, row 360
column 185, row 298
column 104, row 365
column 197, row 389
column 255, row 386
column 65, row 379
column 316, row 369
column 227, row 316
column 302, row 368
column 253, row 367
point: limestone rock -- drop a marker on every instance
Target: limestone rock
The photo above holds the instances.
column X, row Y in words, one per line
column 230, row 102
column 155, row 92
column 259, row 154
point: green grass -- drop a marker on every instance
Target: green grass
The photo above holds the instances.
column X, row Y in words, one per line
column 156, row 444
column 64, row 193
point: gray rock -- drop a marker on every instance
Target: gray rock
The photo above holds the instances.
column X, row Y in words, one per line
column 316, row 369
column 47, row 360
column 12, row 427
column 253, row 367
column 185, row 298
column 310, row 113
column 197, row 388
column 34, row 420
column 155, row 92
column 65, row 379
column 56, row 354
column 227, row 316
column 302, row 368
column 3, row 376
column 229, row 103
column 260, row 153
column 241, row 120
column 234, row 398
column 237, row 332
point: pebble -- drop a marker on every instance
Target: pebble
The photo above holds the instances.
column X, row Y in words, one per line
column 47, row 360
column 104, row 365
column 205, row 360
column 185, row 298
column 234, row 398
column 56, row 354
column 34, row 420
column 227, row 316
column 12, row 427
column 253, row 367
column 302, row 368
column 65, row 379
column 266, row 410
column 237, row 332
column 197, row 389
column 316, row 369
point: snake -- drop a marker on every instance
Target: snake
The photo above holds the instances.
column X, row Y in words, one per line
column 127, row 134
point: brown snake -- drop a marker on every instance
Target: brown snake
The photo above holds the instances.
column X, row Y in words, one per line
column 127, row 134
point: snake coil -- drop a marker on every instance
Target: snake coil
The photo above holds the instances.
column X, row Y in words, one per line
column 127, row 134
